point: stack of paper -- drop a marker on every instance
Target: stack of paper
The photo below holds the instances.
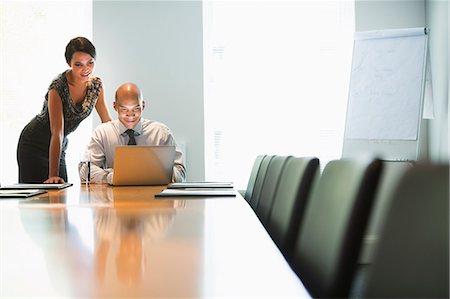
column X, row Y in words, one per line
column 22, row 193
column 200, row 185
column 198, row 189
column 36, row 186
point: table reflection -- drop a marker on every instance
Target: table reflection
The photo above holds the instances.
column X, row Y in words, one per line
column 133, row 197
column 124, row 237
column 103, row 245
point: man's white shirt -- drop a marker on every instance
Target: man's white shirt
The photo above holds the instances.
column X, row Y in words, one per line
column 108, row 135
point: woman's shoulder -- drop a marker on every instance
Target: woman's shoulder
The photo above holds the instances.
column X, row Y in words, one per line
column 59, row 80
column 96, row 83
column 96, row 79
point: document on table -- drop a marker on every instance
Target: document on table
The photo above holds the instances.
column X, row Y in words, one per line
column 36, row 186
column 22, row 193
column 200, row 185
column 196, row 192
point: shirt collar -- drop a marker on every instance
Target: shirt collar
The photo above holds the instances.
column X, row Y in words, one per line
column 137, row 129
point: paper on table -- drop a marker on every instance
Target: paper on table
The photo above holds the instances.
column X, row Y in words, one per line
column 200, row 185
column 37, row 186
column 21, row 193
column 191, row 192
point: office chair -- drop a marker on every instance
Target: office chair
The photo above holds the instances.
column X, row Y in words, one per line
column 290, row 201
column 390, row 175
column 412, row 255
column 259, row 181
column 252, row 178
column 326, row 252
column 269, row 188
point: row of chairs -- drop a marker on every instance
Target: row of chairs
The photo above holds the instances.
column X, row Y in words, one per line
column 319, row 220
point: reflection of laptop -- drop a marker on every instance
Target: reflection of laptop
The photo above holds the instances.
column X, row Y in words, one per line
column 143, row 165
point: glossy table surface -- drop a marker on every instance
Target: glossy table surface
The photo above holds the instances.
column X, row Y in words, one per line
column 121, row 242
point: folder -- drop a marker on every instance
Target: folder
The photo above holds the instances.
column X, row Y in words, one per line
column 22, row 193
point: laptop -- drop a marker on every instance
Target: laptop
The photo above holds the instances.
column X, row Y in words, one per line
column 143, row 165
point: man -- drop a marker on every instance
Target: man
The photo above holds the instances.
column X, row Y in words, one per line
column 129, row 105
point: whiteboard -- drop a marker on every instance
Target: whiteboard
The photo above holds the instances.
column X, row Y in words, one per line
column 386, row 94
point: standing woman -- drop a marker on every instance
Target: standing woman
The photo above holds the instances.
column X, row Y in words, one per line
column 71, row 97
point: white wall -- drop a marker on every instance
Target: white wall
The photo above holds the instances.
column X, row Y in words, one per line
column 33, row 38
column 389, row 14
column 437, row 20
column 158, row 45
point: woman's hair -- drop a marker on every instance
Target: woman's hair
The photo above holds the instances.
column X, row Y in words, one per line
column 79, row 44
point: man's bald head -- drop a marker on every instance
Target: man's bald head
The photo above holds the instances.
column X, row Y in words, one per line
column 129, row 90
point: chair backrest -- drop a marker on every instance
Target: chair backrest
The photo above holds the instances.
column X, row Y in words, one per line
column 411, row 259
column 290, row 201
column 259, row 182
column 390, row 175
column 269, row 188
column 327, row 248
column 252, row 178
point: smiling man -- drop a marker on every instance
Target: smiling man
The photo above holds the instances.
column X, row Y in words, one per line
column 129, row 129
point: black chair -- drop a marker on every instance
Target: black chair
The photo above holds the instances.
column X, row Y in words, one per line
column 326, row 252
column 252, row 179
column 259, row 181
column 411, row 259
column 390, row 175
column 290, row 201
column 269, row 188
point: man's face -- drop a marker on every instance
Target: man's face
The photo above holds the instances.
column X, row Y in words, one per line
column 129, row 111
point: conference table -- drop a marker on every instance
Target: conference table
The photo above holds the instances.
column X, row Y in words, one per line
column 99, row 241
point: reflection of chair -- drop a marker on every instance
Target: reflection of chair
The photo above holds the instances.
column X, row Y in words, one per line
column 326, row 251
column 264, row 205
column 412, row 256
column 252, row 179
column 259, row 181
column 290, row 201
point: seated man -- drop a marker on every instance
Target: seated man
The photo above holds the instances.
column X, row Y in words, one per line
column 129, row 105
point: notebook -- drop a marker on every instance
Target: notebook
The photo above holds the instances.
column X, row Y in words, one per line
column 200, row 185
column 37, row 186
column 196, row 193
column 22, row 193
column 143, row 165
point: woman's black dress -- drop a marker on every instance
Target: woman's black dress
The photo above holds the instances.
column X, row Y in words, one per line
column 34, row 141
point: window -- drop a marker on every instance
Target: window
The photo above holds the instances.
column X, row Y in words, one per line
column 276, row 81
column 33, row 37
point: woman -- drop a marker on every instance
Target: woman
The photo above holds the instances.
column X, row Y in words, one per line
column 71, row 97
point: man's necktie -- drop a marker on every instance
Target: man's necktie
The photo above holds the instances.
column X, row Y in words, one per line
column 130, row 133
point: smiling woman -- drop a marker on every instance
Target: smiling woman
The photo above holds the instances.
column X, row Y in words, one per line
column 33, row 36
column 71, row 97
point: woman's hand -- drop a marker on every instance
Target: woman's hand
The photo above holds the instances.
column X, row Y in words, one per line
column 54, row 180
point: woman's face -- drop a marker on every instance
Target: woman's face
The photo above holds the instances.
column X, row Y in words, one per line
column 82, row 65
